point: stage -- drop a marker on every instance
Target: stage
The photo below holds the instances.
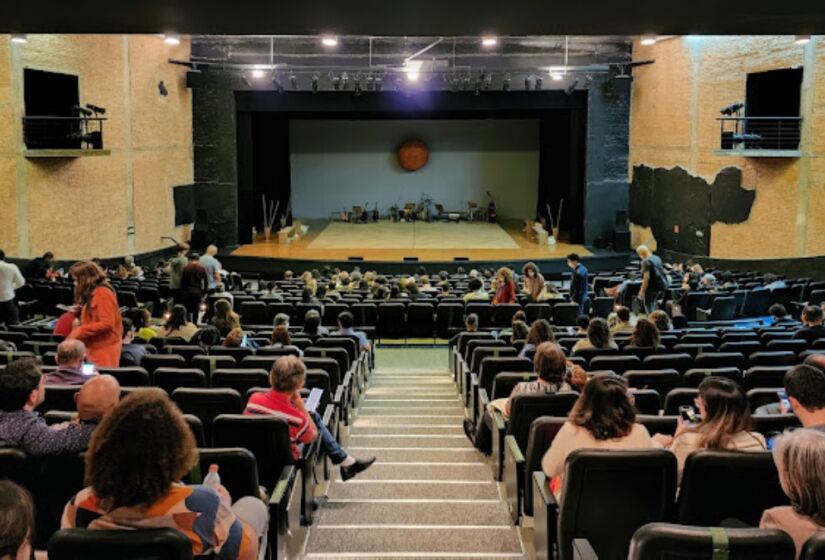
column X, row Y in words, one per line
column 387, row 241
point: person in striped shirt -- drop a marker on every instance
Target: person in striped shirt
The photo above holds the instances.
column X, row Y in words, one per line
column 284, row 400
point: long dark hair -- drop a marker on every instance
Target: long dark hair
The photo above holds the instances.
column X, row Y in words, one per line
column 604, row 409
column 646, row 333
column 177, row 318
column 88, row 277
column 540, row 331
column 726, row 413
column 599, row 333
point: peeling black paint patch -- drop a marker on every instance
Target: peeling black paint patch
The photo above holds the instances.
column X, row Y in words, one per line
column 663, row 198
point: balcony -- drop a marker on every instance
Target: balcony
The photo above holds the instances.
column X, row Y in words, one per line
column 760, row 136
column 63, row 137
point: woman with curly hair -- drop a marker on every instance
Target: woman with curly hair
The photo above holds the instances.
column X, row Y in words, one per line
column 225, row 319
column 645, row 334
column 101, row 326
column 505, row 286
column 135, row 458
column 540, row 331
column 533, row 282
column 598, row 336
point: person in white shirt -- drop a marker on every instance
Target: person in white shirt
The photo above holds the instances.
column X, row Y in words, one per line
column 213, row 267
column 10, row 280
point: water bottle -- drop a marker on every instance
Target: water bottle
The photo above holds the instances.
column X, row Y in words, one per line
column 213, row 479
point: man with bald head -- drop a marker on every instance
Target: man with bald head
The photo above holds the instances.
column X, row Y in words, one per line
column 98, row 396
column 71, row 354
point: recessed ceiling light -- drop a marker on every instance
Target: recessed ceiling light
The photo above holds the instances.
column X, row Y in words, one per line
column 648, row 40
column 258, row 71
column 172, row 39
column 19, row 38
column 489, row 41
column 557, row 73
column 329, row 41
column 802, row 39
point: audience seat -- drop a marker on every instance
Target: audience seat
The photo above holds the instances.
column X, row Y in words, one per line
column 772, row 424
column 661, row 380
column 795, row 345
column 679, row 362
column 188, row 351
column 602, row 306
column 504, row 383
column 782, row 358
column 647, row 401
column 95, row 544
column 617, row 364
column 420, row 320
column 237, row 467
column 655, row 541
column 656, row 424
column 207, row 364
column 713, row 360
column 694, row 349
column 264, row 362
column 814, row 548
column 207, row 404
column 151, row 362
column 9, row 357
column 762, row 396
column 565, row 314
column 642, row 352
column 536, row 311
column 744, row 347
column 196, row 427
column 392, row 322
column 131, row 376
column 694, row 376
column 484, row 310
column 679, row 397
column 589, row 353
column 160, row 341
column 170, row 379
column 765, row 376
column 490, row 368
column 240, row 379
column 59, row 397
column 503, row 314
column 237, row 353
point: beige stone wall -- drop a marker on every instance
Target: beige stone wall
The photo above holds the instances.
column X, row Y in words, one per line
column 676, row 102
column 82, row 207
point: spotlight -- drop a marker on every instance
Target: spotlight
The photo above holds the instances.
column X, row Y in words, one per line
column 489, row 41
column 315, row 83
column 336, row 83
column 505, row 83
column 732, row 109
column 329, row 41
column 412, row 68
column 802, row 39
column 648, row 40
column 257, row 72
column 557, row 73
column 537, row 85
column 344, row 81
column 19, row 38
column 379, row 83
column 293, row 81
column 171, row 39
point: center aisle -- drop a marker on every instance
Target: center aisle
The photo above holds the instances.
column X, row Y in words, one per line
column 429, row 494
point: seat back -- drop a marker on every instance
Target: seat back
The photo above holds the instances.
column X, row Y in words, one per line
column 694, row 376
column 94, row 544
column 647, row 401
column 237, row 467
column 208, row 364
column 448, row 316
column 564, row 314
column 328, row 365
column 527, row 407
column 795, row 345
column 661, row 381
column 465, row 337
column 151, row 362
column 719, row 485
column 609, row 495
column 543, row 431
column 254, row 313
column 338, row 354
column 770, row 425
column 206, row 404
column 267, row 437
column 765, row 376
column 616, row 364
column 723, row 309
column 710, row 360
column 240, row 379
column 503, row 314
column 420, row 320
column 392, row 321
column 814, row 548
column 471, row 345
column 237, row 353
column 59, row 397
column 484, row 310
column 680, row 362
column 366, row 314
column 491, row 367
column 130, row 376
column 170, row 379
column 536, row 311
column 481, row 353
column 504, row 382
column 655, row 541
column 656, row 424
column 679, row 397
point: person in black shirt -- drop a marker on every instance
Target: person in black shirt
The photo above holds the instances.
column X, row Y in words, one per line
column 812, row 319
column 37, row 267
column 578, row 283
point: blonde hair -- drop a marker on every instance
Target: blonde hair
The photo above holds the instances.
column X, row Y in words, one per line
column 800, row 459
column 643, row 251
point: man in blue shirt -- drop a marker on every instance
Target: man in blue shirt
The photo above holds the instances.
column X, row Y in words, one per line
column 578, row 283
column 345, row 322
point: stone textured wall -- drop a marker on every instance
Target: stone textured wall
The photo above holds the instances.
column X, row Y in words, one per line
column 675, row 103
column 82, row 207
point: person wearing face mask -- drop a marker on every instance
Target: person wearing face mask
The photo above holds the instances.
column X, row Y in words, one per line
column 533, row 282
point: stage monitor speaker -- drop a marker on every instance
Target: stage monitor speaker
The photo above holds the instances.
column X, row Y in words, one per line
column 621, row 220
column 621, row 241
column 355, row 258
column 462, row 259
column 410, row 259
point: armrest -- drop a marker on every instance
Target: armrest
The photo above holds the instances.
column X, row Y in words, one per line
column 281, row 490
column 279, row 503
column 328, row 413
column 583, row 550
column 338, row 398
column 498, row 421
column 483, row 400
column 699, row 309
column 542, row 489
column 511, row 447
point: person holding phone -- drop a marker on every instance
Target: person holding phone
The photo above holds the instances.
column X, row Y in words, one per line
column 720, row 421
column 72, row 368
column 101, row 327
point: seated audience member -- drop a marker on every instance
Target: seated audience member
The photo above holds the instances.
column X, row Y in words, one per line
column 282, row 339
column 603, row 418
column 470, row 326
column 477, row 291
column 22, row 389
column 645, row 334
column 805, row 387
column 178, row 325
column 309, row 282
column 425, row 287
column 206, row 338
column 312, row 324
column 345, row 322
column 662, row 321
column 771, row 282
column 553, row 371
column 414, row 294
column 97, row 397
column 707, row 283
column 550, row 292
column 130, row 353
column 813, row 328
column 533, row 282
column 288, row 274
column 582, row 322
column 269, row 292
column 540, row 331
column 598, row 336
column 779, row 315
column 308, row 297
column 396, row 294
column 224, row 319
column 222, row 293
column 284, row 400
column 234, row 338
column 443, row 279
column 16, row 522
column 517, row 316
column 505, row 291
column 71, row 354
column 519, row 331
column 622, row 320
column 67, row 322
column 281, row 319
column 142, row 321
column 724, row 423
column 134, row 461
column 800, row 460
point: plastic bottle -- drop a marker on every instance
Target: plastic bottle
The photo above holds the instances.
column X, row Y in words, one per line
column 213, row 479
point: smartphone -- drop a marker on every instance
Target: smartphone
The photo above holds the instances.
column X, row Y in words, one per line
column 783, row 398
column 688, row 414
column 88, row 369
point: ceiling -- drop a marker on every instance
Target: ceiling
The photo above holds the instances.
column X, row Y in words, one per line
column 423, row 17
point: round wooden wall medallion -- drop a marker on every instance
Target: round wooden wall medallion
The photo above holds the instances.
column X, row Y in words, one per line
column 413, row 155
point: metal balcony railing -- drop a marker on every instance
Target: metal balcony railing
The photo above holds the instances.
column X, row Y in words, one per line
column 760, row 133
column 63, row 133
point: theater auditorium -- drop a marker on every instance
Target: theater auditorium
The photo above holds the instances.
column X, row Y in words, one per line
column 388, row 280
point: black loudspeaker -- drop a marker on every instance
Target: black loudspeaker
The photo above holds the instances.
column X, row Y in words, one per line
column 355, row 258
column 410, row 259
column 621, row 220
column 621, row 241
column 462, row 259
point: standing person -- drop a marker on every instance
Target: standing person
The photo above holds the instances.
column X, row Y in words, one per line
column 533, row 282
column 213, row 267
column 193, row 285
column 38, row 266
column 101, row 326
column 506, row 287
column 654, row 281
column 175, row 270
column 10, row 280
column 578, row 283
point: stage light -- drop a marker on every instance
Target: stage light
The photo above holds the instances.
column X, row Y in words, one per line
column 293, row 81
column 329, row 41
column 258, row 71
column 336, row 83
column 802, row 39
column 412, row 68
column 19, row 38
column 245, row 79
column 379, row 83
column 505, row 83
column 648, row 40
column 171, row 39
column 557, row 73
column 538, row 83
column 489, row 41
column 315, row 83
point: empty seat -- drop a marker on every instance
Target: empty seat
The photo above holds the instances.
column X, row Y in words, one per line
column 744, row 347
column 764, row 376
column 617, row 364
column 151, row 362
column 679, row 362
column 503, row 314
column 565, row 314
column 694, row 349
column 92, row 544
column 258, row 362
column 206, row 404
column 420, row 320
column 129, row 376
column 170, row 379
column 795, row 345
column 237, row 467
column 59, row 397
column 208, row 364
column 694, row 376
column 711, row 360
column 448, row 317
column 656, row 424
column 762, row 396
column 771, row 424
column 240, row 379
column 679, row 397
column 661, row 380
column 391, row 321
column 188, row 351
column 237, row 353
column 647, row 401
column 536, row 311
column 590, row 353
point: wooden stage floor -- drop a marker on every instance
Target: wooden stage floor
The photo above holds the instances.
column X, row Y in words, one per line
column 388, row 241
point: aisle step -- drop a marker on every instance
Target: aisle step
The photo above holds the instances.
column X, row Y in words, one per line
column 410, row 440
column 431, row 471
column 405, row 513
column 412, row 429
column 377, row 420
column 413, row 490
column 417, row 455
column 430, row 539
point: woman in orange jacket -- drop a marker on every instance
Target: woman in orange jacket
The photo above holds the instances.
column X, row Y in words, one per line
column 101, row 327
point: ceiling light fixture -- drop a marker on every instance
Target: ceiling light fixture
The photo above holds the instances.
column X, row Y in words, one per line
column 171, row 39
column 412, row 68
column 648, row 40
column 557, row 73
column 489, row 41
column 802, row 39
column 329, row 41
column 19, row 38
column 258, row 71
